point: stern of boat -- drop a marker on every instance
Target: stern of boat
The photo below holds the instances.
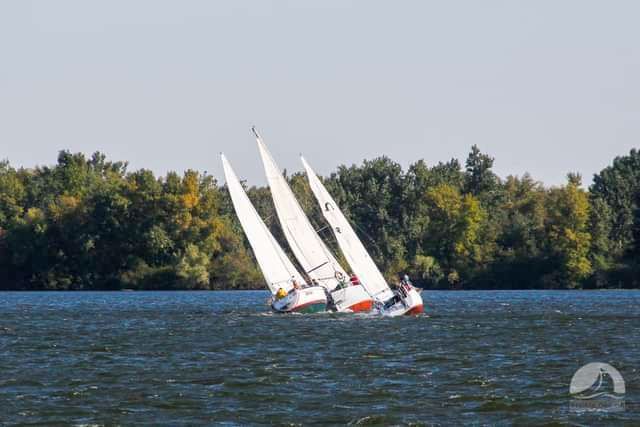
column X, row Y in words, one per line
column 414, row 302
column 353, row 299
column 410, row 304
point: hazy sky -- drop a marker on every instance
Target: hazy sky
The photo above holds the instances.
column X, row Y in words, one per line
column 544, row 86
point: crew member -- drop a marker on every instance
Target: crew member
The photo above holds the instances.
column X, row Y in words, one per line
column 354, row 280
column 281, row 293
column 405, row 285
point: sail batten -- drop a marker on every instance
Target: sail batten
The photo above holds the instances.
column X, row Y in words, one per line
column 354, row 251
column 277, row 269
column 308, row 248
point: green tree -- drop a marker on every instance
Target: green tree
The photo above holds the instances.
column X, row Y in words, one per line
column 567, row 228
column 89, row 223
column 618, row 186
column 453, row 231
column 479, row 177
column 12, row 195
column 518, row 226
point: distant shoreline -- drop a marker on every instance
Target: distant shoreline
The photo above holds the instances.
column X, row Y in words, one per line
column 88, row 223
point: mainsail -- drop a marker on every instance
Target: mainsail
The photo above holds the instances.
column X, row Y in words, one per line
column 276, row 268
column 351, row 246
column 310, row 251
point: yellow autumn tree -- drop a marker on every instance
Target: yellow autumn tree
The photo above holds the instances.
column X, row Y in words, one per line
column 452, row 234
column 567, row 225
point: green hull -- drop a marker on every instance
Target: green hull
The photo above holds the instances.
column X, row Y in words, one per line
column 312, row 308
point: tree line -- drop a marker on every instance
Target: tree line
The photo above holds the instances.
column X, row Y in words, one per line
column 89, row 223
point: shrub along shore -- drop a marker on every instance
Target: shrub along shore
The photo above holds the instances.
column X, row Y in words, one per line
column 89, row 223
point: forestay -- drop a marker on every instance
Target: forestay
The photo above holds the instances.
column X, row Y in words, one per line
column 351, row 246
column 310, row 251
column 276, row 268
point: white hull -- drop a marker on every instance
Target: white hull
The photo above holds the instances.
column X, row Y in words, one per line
column 351, row 299
column 308, row 300
column 405, row 302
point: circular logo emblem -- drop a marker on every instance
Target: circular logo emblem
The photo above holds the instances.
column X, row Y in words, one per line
column 595, row 380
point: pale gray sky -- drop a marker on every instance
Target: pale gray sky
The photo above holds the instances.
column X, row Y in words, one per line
column 544, row 86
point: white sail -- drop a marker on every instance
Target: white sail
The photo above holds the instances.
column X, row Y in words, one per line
column 276, row 268
column 351, row 246
column 310, row 251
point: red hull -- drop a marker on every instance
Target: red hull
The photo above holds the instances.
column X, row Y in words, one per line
column 362, row 306
column 415, row 310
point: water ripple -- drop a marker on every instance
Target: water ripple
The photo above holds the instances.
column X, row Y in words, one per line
column 184, row 358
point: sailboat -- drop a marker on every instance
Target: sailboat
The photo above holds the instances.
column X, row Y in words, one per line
column 404, row 300
column 289, row 293
column 345, row 295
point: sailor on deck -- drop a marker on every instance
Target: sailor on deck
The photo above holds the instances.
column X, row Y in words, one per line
column 405, row 285
column 354, row 280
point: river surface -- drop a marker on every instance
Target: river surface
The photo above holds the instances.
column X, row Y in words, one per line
column 192, row 358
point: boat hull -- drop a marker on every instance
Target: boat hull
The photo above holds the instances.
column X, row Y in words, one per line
column 312, row 307
column 406, row 302
column 307, row 300
column 352, row 299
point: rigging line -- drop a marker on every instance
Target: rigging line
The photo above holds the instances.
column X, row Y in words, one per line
column 329, row 249
column 317, row 267
column 375, row 297
column 371, row 239
column 283, row 186
column 297, row 245
column 321, row 229
column 278, row 250
column 326, row 278
column 327, row 253
column 272, row 241
column 335, row 265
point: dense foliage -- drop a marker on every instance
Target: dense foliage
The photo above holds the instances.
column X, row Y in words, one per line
column 88, row 223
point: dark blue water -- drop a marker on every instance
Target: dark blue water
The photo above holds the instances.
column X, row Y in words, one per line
column 185, row 358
